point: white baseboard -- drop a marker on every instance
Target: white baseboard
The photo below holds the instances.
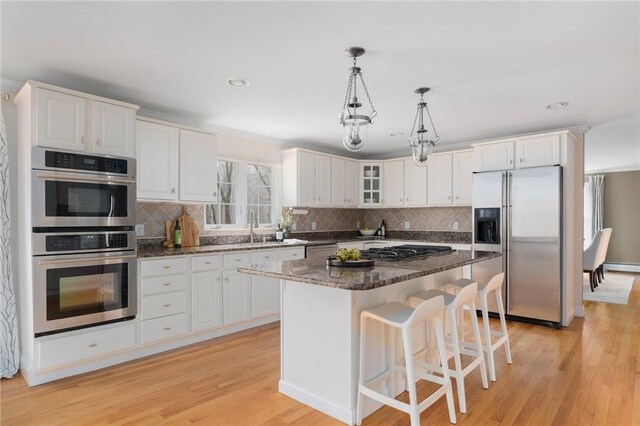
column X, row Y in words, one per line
column 624, row 267
column 580, row 311
column 313, row 401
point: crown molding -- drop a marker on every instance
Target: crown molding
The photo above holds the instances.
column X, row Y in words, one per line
column 613, row 170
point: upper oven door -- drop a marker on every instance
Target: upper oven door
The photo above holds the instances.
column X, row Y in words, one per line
column 79, row 199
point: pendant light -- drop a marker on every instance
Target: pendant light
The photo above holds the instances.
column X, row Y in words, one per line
column 355, row 124
column 421, row 145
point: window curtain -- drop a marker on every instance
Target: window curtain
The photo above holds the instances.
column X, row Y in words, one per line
column 9, row 347
column 596, row 183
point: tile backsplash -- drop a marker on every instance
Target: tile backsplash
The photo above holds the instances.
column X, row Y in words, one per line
column 154, row 215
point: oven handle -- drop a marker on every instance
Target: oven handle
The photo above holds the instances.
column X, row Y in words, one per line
column 76, row 261
column 73, row 177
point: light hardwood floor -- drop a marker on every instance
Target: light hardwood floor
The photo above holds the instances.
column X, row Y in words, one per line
column 588, row 373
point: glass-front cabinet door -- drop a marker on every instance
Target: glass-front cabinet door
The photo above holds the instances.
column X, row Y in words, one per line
column 371, row 188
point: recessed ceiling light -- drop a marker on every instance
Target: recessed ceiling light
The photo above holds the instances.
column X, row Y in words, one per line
column 395, row 134
column 238, row 82
column 557, row 105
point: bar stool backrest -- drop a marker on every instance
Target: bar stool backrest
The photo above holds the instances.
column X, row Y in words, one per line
column 466, row 294
column 495, row 282
column 427, row 310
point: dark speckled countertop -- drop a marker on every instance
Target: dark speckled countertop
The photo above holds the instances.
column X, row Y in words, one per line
column 314, row 270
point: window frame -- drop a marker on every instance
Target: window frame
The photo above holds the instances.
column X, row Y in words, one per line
column 241, row 197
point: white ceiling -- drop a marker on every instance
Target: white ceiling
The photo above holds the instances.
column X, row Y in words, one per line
column 492, row 66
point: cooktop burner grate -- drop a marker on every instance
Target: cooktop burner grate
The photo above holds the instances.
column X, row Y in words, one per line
column 406, row 251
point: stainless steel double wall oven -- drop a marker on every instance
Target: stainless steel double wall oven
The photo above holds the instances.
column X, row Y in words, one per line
column 83, row 239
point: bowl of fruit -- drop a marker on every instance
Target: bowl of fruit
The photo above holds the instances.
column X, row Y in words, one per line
column 366, row 232
column 348, row 257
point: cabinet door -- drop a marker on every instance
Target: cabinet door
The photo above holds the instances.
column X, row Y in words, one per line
column 306, row 179
column 206, row 300
column 338, row 182
column 236, row 296
column 462, row 177
column 371, row 184
column 198, row 164
column 60, row 120
column 265, row 296
column 539, row 151
column 157, row 154
column 495, row 156
column 439, row 180
column 113, row 129
column 353, row 183
column 393, row 189
column 323, row 180
column 415, row 184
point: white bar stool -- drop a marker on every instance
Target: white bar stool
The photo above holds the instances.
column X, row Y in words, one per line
column 494, row 285
column 400, row 316
column 458, row 345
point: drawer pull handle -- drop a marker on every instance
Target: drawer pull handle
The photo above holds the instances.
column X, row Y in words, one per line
column 167, row 267
column 166, row 284
column 167, row 328
column 166, row 306
column 267, row 257
column 207, row 263
column 93, row 345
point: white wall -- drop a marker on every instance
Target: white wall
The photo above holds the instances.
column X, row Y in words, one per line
column 613, row 146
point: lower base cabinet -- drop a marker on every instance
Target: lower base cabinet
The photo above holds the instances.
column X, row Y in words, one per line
column 236, row 293
column 164, row 328
column 265, row 296
column 206, row 300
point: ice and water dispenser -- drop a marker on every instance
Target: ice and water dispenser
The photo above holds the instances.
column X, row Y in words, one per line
column 487, row 225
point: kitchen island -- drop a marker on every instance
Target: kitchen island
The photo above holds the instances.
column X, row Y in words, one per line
column 320, row 322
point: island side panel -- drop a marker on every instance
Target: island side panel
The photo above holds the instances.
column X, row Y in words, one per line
column 317, row 334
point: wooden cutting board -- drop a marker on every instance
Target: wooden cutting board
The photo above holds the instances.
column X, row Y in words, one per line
column 190, row 231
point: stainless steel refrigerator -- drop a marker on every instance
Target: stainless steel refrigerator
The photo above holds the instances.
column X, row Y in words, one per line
column 519, row 213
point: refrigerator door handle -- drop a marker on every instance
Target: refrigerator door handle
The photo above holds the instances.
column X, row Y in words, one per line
column 507, row 238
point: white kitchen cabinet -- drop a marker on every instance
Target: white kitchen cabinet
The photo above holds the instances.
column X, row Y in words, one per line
column 236, row 296
column 352, row 188
column 157, row 154
column 538, row 151
column 79, row 122
column 198, row 165
column 393, row 183
column 307, row 178
column 439, row 181
column 371, row 184
column 493, row 156
column 206, row 300
column 60, row 120
column 415, row 184
column 298, row 178
column 323, row 181
column 265, row 291
column 113, row 129
column 462, row 177
column 338, row 181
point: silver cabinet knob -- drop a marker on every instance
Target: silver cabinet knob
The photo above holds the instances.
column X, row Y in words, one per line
column 166, row 284
column 167, row 328
column 173, row 190
column 93, row 345
column 97, row 141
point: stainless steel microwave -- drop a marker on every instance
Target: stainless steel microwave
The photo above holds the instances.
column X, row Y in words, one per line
column 73, row 189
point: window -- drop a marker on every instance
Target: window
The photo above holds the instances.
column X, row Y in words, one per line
column 243, row 188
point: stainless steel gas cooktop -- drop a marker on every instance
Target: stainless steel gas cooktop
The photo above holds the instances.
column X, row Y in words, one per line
column 407, row 251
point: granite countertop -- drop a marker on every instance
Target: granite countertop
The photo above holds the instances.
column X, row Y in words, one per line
column 160, row 251
column 314, row 270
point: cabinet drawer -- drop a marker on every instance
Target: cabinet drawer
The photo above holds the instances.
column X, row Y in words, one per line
column 164, row 328
column 206, row 263
column 164, row 266
column 265, row 256
column 293, row 253
column 78, row 347
column 162, row 305
column 235, row 260
column 158, row 285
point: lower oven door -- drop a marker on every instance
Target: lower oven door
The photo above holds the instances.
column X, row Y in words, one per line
column 81, row 290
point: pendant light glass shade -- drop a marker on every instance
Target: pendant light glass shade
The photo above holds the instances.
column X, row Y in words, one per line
column 355, row 124
column 421, row 145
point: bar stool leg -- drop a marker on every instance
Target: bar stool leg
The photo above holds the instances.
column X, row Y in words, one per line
column 391, row 361
column 476, row 334
column 411, row 378
column 503, row 324
column 442, row 351
column 455, row 347
column 487, row 336
column 363, row 330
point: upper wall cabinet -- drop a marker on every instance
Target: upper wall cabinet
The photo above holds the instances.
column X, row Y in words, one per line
column 157, row 161
column 344, row 182
column 352, row 182
column 175, row 164
column 493, row 156
column 538, row 151
column 77, row 122
column 307, row 179
column 462, row 177
column 371, row 184
column 415, row 184
column 393, row 188
column 198, row 165
column 449, row 178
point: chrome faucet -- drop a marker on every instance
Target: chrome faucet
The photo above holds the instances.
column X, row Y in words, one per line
column 252, row 224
